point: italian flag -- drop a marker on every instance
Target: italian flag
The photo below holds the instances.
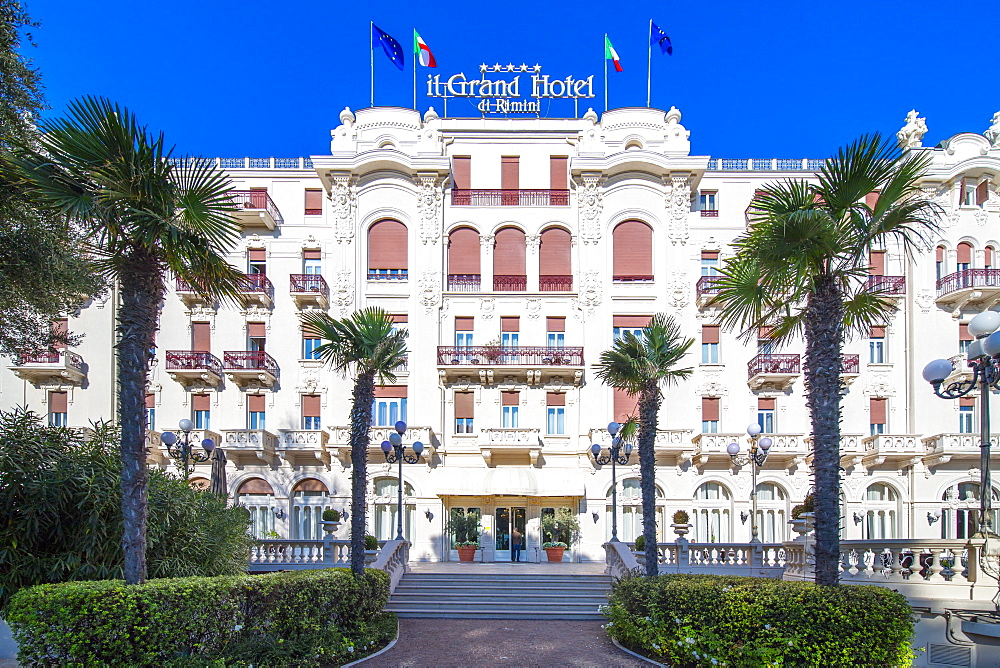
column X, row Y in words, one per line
column 422, row 51
column 611, row 54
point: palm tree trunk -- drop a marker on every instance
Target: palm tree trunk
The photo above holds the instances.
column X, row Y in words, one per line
column 361, row 420
column 141, row 295
column 824, row 336
column 649, row 406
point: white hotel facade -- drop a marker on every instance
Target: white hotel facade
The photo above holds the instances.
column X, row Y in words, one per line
column 513, row 250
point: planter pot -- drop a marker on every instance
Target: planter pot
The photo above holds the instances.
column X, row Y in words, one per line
column 799, row 526
column 555, row 553
column 681, row 529
column 370, row 557
column 810, row 519
column 467, row 553
column 330, row 527
column 640, row 558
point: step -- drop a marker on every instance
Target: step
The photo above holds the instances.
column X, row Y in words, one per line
column 443, row 612
column 529, row 586
column 507, row 600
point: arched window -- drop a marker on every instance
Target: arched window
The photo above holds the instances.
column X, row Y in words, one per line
column 386, row 518
column 508, row 261
column 463, row 260
column 939, row 264
column 772, row 512
column 555, row 271
column 256, row 495
column 387, row 248
column 309, row 500
column 633, row 252
column 960, row 511
column 881, row 512
column 713, row 512
column 630, row 511
column 963, row 256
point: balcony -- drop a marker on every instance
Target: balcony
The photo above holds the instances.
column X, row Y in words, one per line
column 304, row 447
column 250, row 446
column 339, row 445
column 892, row 287
column 509, row 197
column 706, row 289
column 638, row 278
column 257, row 289
column 250, row 368
column 157, row 452
column 464, row 282
column 60, row 368
column 898, row 449
column 851, row 449
column 776, row 372
column 535, row 364
column 388, row 274
column 942, row 448
column 972, row 287
column 555, row 283
column 671, row 446
column 255, row 208
column 194, row 367
column 309, row 290
column 709, row 213
column 786, row 449
column 510, row 442
column 188, row 294
column 850, row 368
column 510, row 283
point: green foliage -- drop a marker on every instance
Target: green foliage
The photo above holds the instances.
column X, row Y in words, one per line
column 365, row 342
column 309, row 617
column 561, row 526
column 702, row 620
column 64, row 522
column 554, row 544
column 807, row 506
column 464, row 527
column 681, row 517
column 371, row 542
column 331, row 515
column 640, row 543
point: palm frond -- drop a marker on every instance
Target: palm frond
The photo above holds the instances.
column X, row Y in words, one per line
column 364, row 342
column 633, row 360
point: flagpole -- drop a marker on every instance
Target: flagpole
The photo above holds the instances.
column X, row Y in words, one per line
column 414, row 82
column 605, row 72
column 371, row 59
column 649, row 60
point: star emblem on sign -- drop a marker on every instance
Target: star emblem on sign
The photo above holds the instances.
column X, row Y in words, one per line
column 484, row 67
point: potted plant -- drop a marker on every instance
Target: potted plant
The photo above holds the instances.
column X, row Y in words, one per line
column 492, row 350
column 640, row 550
column 554, row 550
column 681, row 523
column 331, row 520
column 371, row 548
column 465, row 528
column 560, row 529
column 802, row 516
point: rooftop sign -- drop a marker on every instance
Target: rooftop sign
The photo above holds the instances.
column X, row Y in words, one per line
column 504, row 96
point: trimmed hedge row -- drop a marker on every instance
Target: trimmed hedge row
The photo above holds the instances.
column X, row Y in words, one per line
column 315, row 616
column 708, row 620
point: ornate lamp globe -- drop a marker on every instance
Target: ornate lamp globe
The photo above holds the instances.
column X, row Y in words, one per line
column 984, row 323
column 937, row 371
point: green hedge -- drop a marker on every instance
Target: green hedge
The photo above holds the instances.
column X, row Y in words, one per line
column 708, row 620
column 306, row 617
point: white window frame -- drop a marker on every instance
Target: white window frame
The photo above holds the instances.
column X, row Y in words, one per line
column 387, row 411
column 510, row 417
column 256, row 420
column 709, row 353
column 966, row 419
column 555, row 420
column 876, row 350
column 202, row 419
column 767, row 419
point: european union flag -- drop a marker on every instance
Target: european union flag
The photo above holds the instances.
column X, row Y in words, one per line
column 657, row 36
column 391, row 47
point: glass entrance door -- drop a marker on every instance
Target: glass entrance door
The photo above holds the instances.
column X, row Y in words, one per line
column 508, row 520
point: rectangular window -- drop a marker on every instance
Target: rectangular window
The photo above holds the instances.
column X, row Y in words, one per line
column 201, row 336
column 556, row 412
column 465, row 408
column 555, row 332
column 151, row 412
column 510, row 402
column 58, row 402
column 710, row 263
column 765, row 415
column 200, row 407
column 710, row 344
column 389, row 406
column 255, row 411
column 314, row 202
column 966, row 413
column 624, row 405
column 877, row 416
column 876, row 346
column 709, row 415
column 309, row 347
column 509, row 329
column 964, row 338
column 256, row 336
column 461, row 172
column 707, row 201
column 629, row 323
column 463, row 331
column 311, row 410
column 312, row 262
column 939, row 262
column 257, row 261
column 765, row 342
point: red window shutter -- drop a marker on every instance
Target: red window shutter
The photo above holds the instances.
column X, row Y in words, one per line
column 509, row 172
column 963, row 333
column 558, row 172
column 710, row 334
column 764, row 333
column 554, row 253
column 508, row 256
column 633, row 249
column 58, row 401
column 877, row 410
column 631, row 320
column 150, row 401
column 461, row 172
column 463, row 251
column 201, row 336
column 939, row 254
column 510, row 323
column 390, row 392
column 877, row 333
column 967, row 401
column 256, row 330
column 312, row 254
column 964, row 253
column 257, row 255
column 765, row 404
column 255, row 486
column 201, row 402
column 982, row 193
column 464, row 323
column 710, row 409
column 311, row 485
column 555, row 324
column 310, row 405
column 555, row 398
column 465, row 405
column 387, row 245
column 255, row 403
column 510, row 398
column 709, row 255
column 60, row 327
column 314, row 202
column 876, row 263
column 871, row 199
column 400, row 318
column 961, row 192
column 625, row 405
column 988, row 256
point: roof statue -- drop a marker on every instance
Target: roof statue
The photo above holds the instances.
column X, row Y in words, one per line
column 912, row 134
column 993, row 133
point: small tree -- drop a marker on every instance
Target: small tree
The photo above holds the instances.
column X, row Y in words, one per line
column 464, row 526
column 560, row 526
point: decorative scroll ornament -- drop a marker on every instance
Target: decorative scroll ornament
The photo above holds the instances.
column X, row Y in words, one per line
column 534, row 308
column 486, row 306
column 343, row 203
column 487, row 241
column 591, row 204
column 430, row 289
column 343, row 290
column 677, row 200
column 532, row 242
column 879, row 385
column 429, row 208
column 924, row 299
column 912, row 134
column 712, row 385
column 590, row 291
column 310, row 381
column 678, row 292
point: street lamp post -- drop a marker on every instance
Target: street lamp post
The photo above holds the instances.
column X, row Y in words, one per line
column 617, row 453
column 395, row 451
column 181, row 450
column 984, row 360
column 759, row 449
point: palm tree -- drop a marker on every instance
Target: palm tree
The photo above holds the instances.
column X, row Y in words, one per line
column 141, row 216
column 641, row 366
column 802, row 267
column 366, row 345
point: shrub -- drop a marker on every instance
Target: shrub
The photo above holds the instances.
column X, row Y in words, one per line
column 315, row 616
column 464, row 527
column 61, row 491
column 331, row 515
column 371, row 542
column 807, row 506
column 553, row 544
column 681, row 517
column 561, row 526
column 640, row 543
column 691, row 620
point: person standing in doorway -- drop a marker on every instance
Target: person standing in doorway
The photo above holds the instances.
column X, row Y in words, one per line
column 515, row 545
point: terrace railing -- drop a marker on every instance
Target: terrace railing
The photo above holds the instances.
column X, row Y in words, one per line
column 509, row 197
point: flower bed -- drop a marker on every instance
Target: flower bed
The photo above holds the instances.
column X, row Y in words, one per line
column 315, row 617
column 708, row 620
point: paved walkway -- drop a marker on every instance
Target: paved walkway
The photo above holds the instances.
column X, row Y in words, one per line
column 465, row 643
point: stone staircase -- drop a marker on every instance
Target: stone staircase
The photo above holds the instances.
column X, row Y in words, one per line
column 501, row 596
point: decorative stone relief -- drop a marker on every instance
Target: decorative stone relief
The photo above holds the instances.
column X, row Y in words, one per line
column 677, row 200
column 912, row 134
column 678, row 290
column 257, row 313
column 532, row 242
column 343, row 203
column 310, row 381
column 254, row 241
column 942, row 197
column 981, row 217
column 429, row 207
column 591, row 204
column 993, row 133
column 924, row 299
column 486, row 241
column 430, row 289
column 590, row 291
column 343, row 290
column 534, row 308
column 486, row 307
column 879, row 385
column 677, row 136
column 201, row 314
column 712, row 385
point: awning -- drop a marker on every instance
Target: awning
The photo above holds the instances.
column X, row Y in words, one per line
column 511, row 481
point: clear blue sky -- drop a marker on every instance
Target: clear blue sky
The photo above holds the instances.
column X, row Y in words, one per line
column 778, row 79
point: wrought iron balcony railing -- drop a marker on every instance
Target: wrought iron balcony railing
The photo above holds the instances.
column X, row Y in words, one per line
column 890, row 285
column 257, row 284
column 308, row 284
column 510, row 283
column 464, row 282
column 190, row 360
column 67, row 357
column 555, row 283
column 707, row 285
column 850, row 364
column 637, row 278
column 773, row 364
column 968, row 278
column 509, row 197
column 510, row 356
column 257, row 199
column 249, row 360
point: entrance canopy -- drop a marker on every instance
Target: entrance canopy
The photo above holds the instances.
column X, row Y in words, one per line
column 512, row 481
